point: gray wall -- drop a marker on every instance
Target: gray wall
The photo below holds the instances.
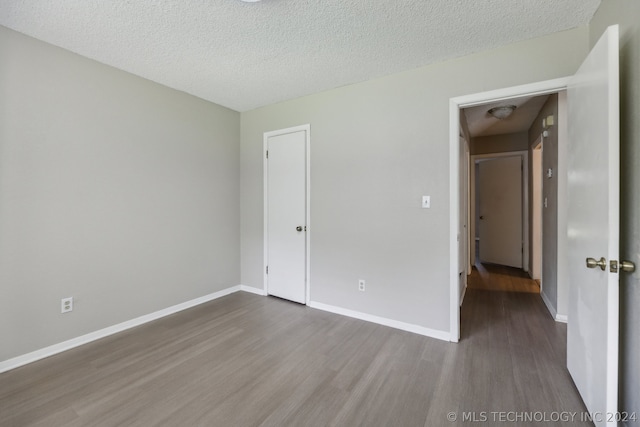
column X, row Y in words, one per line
column 550, row 191
column 376, row 148
column 627, row 14
column 499, row 143
column 114, row 190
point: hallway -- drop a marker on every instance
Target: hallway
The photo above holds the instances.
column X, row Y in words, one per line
column 515, row 354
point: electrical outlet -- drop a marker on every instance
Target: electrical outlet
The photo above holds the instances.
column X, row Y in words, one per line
column 361, row 285
column 66, row 305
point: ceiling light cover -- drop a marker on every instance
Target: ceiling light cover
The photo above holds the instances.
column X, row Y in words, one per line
column 502, row 112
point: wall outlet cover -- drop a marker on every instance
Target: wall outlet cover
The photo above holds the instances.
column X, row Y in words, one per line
column 66, row 305
column 426, row 202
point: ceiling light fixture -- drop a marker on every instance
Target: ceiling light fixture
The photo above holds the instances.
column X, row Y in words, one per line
column 502, row 112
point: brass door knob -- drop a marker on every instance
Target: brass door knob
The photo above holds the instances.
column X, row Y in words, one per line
column 592, row 263
column 627, row 266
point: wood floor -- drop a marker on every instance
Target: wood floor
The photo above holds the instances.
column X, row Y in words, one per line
column 492, row 277
column 247, row 360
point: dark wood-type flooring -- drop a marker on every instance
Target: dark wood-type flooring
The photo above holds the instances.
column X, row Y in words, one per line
column 247, row 360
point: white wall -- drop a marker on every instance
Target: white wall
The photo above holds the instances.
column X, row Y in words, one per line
column 376, row 148
column 114, row 190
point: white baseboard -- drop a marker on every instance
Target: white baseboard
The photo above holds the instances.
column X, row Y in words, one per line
column 92, row 336
column 548, row 304
column 441, row 335
column 557, row 317
column 42, row 353
column 253, row 290
column 562, row 318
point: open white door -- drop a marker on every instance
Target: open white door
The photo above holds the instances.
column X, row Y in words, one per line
column 500, row 208
column 593, row 228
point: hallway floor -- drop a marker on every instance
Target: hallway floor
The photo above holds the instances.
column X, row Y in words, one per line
column 493, row 277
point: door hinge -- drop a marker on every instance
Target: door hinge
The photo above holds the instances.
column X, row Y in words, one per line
column 267, row 269
column 267, row 154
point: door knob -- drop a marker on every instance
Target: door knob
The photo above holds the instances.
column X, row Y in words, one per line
column 299, row 228
column 626, row 266
column 592, row 263
column 481, row 216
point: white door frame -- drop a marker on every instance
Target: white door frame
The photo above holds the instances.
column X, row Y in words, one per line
column 307, row 129
column 524, row 155
column 455, row 104
column 537, row 174
column 465, row 226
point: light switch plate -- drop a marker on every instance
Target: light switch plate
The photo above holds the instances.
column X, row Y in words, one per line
column 426, row 202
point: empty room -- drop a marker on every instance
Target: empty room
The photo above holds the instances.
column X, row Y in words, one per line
column 275, row 212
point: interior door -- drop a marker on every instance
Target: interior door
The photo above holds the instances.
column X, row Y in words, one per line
column 286, row 214
column 500, row 209
column 593, row 227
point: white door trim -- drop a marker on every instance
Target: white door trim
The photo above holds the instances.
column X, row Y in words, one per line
column 536, row 209
column 525, row 195
column 455, row 104
column 307, row 129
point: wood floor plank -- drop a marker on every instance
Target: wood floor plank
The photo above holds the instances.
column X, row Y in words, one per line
column 246, row 360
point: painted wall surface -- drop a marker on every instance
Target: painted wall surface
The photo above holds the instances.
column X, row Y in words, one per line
column 376, row 148
column 499, row 143
column 114, row 190
column 550, row 192
column 626, row 13
column 562, row 272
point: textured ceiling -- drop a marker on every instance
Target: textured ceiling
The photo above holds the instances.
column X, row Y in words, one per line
column 481, row 123
column 247, row 55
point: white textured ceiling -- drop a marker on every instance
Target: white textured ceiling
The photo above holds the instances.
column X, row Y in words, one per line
column 247, row 55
